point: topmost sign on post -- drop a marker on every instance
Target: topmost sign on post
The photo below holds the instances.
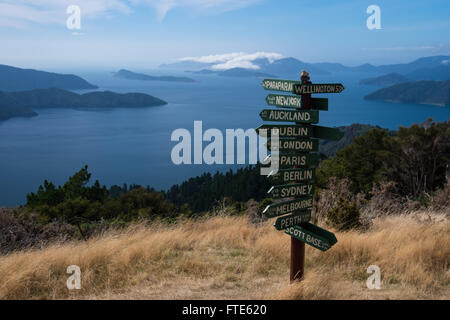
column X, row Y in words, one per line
column 279, row 85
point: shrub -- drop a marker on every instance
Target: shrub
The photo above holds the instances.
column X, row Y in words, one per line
column 345, row 215
column 19, row 231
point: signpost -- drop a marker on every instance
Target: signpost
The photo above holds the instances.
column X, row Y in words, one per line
column 318, row 88
column 299, row 160
column 294, row 175
column 294, row 145
column 285, row 207
column 301, row 131
column 288, row 101
column 312, row 235
column 292, row 219
column 296, row 161
column 291, row 190
column 303, row 116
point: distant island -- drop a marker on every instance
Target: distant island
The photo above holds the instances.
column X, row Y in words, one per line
column 23, row 103
column 420, row 92
column 17, row 79
column 126, row 74
column 387, row 80
column 236, row 72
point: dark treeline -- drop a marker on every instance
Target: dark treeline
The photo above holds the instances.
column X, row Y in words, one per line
column 203, row 192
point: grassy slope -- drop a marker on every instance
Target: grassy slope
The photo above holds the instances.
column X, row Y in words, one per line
column 228, row 258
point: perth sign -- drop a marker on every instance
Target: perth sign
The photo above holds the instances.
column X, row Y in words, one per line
column 290, row 220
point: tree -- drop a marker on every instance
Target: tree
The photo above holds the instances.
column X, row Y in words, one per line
column 420, row 158
column 361, row 162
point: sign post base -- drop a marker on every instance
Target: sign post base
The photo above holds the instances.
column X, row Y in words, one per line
column 297, row 259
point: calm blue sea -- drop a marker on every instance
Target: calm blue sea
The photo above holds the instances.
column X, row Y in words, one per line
column 133, row 145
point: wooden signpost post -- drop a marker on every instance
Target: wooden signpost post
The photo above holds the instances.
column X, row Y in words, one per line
column 296, row 146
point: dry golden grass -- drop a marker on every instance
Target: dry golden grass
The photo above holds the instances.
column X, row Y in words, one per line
column 229, row 258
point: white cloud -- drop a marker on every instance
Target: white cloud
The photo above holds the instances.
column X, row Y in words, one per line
column 234, row 60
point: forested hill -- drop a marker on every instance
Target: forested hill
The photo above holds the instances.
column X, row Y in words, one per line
column 23, row 103
column 420, row 92
column 17, row 79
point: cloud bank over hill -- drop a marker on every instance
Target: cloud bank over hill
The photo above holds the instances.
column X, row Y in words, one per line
column 234, row 60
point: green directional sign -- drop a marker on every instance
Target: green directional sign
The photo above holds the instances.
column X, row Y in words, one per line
column 285, row 207
column 279, row 85
column 289, row 101
column 294, row 175
column 317, row 88
column 286, row 131
column 294, row 145
column 292, row 219
column 313, row 235
column 300, row 131
column 291, row 190
column 302, row 116
column 295, row 160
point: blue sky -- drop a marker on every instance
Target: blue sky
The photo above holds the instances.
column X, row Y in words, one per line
column 145, row 33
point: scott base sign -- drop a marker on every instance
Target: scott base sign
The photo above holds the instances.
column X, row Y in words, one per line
column 313, row 235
